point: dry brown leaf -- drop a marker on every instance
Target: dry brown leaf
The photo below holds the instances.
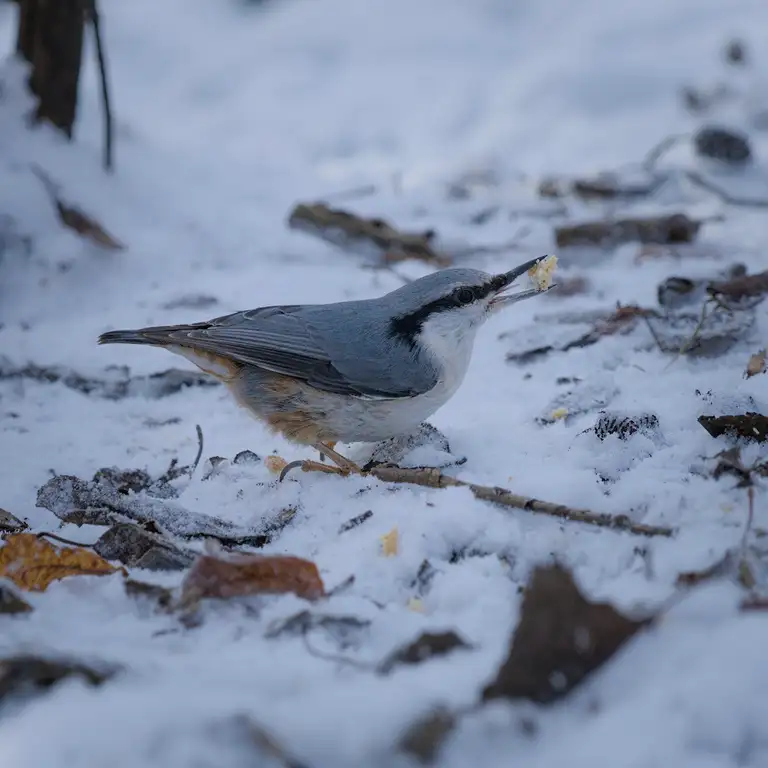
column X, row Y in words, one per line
column 741, row 287
column 87, row 227
column 755, row 364
column 74, row 218
column 236, row 574
column 425, row 737
column 561, row 638
column 426, row 646
column 33, row 563
column 389, row 543
column 750, row 425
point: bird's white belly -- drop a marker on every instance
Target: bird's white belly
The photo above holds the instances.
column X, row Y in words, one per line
column 358, row 420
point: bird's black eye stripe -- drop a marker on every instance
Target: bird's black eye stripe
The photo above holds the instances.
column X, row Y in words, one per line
column 406, row 327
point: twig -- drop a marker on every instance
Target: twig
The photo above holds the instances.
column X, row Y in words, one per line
column 94, row 13
column 745, row 202
column 652, row 331
column 689, row 341
column 361, row 665
column 56, row 537
column 657, row 152
column 750, row 519
column 430, row 477
column 199, row 449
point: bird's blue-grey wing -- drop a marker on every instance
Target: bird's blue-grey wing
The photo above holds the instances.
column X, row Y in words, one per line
column 334, row 352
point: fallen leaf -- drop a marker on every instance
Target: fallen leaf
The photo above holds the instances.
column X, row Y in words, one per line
column 10, row 523
column 730, row 463
column 742, row 287
column 750, row 426
column 424, row 647
column 10, row 602
column 755, row 364
column 74, row 218
column 275, row 464
column 33, row 564
column 161, row 596
column 134, row 546
column 86, row 227
column 23, row 674
column 560, row 639
column 424, row 738
column 389, row 543
column 236, row 574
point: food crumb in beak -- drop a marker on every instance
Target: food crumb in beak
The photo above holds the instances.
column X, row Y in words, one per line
column 541, row 273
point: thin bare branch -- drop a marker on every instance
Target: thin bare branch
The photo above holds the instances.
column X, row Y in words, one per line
column 657, row 152
column 430, row 477
column 105, row 98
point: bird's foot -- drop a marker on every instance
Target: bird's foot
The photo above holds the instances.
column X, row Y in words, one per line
column 331, row 446
column 344, row 466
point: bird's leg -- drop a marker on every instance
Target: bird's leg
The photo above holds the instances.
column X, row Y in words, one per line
column 343, row 466
column 331, row 446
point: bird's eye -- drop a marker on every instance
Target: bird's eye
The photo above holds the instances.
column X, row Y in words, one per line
column 464, row 296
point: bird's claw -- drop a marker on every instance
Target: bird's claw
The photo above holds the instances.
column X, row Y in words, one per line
column 344, row 466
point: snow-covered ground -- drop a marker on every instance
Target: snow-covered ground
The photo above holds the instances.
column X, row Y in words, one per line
column 228, row 113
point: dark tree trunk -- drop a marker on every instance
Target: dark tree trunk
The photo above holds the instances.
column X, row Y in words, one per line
column 51, row 37
column 25, row 39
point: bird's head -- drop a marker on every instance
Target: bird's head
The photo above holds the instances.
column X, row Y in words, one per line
column 452, row 303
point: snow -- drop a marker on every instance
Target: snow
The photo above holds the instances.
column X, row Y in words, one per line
column 227, row 114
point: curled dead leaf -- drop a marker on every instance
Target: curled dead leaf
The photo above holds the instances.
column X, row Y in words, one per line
column 236, row 574
column 32, row 564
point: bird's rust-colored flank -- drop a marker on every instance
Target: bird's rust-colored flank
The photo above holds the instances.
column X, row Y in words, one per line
column 297, row 426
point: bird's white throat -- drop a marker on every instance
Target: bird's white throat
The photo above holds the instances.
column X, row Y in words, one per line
column 448, row 337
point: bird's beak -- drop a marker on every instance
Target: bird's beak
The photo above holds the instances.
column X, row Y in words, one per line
column 505, row 281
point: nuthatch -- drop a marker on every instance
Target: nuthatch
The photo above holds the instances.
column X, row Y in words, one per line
column 354, row 371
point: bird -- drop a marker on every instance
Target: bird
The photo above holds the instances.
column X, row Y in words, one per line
column 351, row 371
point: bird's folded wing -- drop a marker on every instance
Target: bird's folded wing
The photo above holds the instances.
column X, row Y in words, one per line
column 280, row 340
